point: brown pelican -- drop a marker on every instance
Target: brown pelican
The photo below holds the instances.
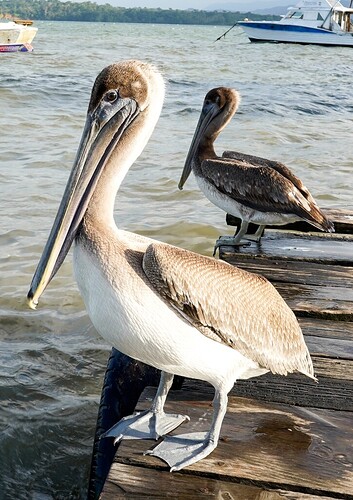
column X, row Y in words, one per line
column 249, row 187
column 178, row 311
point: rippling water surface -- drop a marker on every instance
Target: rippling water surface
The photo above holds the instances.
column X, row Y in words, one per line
column 296, row 107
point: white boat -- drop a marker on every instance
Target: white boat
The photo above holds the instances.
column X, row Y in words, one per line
column 322, row 22
column 15, row 36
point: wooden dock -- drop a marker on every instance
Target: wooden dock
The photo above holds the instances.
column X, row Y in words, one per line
column 282, row 437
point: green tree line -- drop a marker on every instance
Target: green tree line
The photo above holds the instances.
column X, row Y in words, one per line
column 54, row 10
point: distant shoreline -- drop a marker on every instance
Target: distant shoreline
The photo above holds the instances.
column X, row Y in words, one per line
column 54, row 10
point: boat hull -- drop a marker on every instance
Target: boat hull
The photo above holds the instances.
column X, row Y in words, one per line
column 289, row 33
column 16, row 47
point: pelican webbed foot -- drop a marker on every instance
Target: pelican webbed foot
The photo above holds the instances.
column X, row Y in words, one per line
column 233, row 241
column 239, row 237
column 187, row 449
column 152, row 423
column 183, row 450
column 148, row 424
column 229, row 241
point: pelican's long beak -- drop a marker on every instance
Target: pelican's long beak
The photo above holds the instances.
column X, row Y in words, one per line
column 103, row 129
column 208, row 113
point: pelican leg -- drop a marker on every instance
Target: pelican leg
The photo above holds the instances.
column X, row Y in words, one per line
column 149, row 424
column 233, row 241
column 186, row 449
column 257, row 235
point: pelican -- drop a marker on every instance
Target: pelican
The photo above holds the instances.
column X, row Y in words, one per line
column 181, row 312
column 251, row 188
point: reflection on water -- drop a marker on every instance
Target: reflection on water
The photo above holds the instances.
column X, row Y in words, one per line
column 296, row 107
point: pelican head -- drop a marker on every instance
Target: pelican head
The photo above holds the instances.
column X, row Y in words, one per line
column 125, row 96
column 218, row 108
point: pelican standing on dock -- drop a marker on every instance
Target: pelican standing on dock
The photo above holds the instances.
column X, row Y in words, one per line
column 178, row 311
column 251, row 188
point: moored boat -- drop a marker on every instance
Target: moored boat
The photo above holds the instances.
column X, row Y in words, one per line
column 16, row 37
column 320, row 22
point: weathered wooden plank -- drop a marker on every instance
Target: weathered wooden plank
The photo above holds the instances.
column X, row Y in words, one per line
column 330, row 348
column 270, row 445
column 295, row 389
column 136, row 483
column 329, row 393
column 327, row 329
column 310, row 289
column 343, row 220
column 339, row 369
column 301, row 247
column 305, row 273
column 325, row 292
column 322, row 302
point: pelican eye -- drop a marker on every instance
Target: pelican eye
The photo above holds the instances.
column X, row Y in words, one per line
column 111, row 95
column 213, row 100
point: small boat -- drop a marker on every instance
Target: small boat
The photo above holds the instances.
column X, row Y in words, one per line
column 320, row 22
column 25, row 22
column 16, row 37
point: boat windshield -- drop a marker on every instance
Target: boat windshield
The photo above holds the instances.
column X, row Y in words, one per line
column 296, row 15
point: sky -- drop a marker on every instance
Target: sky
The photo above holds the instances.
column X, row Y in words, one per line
column 197, row 4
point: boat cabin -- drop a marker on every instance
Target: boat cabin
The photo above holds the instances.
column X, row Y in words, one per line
column 329, row 14
column 343, row 17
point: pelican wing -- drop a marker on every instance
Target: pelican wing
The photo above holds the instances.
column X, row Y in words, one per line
column 258, row 161
column 262, row 188
column 229, row 305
